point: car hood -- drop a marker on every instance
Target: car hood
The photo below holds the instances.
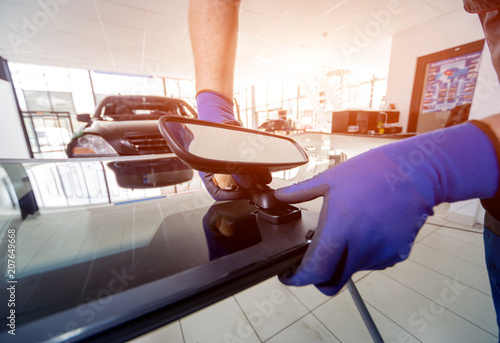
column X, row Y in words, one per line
column 130, row 137
column 102, row 127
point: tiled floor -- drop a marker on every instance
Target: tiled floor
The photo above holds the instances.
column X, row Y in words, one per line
column 440, row 294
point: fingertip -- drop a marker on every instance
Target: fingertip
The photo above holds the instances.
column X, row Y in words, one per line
column 286, row 194
column 281, row 192
column 290, row 278
column 300, row 192
column 245, row 181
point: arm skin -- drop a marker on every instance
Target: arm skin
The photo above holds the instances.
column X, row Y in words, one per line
column 494, row 123
column 213, row 28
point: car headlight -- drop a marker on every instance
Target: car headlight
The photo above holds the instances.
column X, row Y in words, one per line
column 92, row 145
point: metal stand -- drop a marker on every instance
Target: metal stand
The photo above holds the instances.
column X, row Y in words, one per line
column 367, row 318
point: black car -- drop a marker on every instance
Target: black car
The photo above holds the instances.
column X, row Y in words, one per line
column 276, row 125
column 126, row 125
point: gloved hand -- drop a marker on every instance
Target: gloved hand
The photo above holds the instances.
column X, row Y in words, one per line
column 215, row 107
column 240, row 191
column 375, row 203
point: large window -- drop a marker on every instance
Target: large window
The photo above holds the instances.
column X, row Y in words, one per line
column 50, row 98
column 285, row 98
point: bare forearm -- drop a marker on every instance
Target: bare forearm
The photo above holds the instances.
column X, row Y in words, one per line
column 494, row 123
column 213, row 28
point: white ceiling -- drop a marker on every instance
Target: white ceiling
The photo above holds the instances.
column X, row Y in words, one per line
column 151, row 36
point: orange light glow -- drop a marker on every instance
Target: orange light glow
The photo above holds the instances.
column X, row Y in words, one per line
column 81, row 151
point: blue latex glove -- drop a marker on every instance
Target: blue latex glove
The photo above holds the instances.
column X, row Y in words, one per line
column 215, row 107
column 375, row 203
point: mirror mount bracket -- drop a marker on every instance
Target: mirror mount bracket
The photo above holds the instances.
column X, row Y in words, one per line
column 263, row 197
column 271, row 209
column 280, row 215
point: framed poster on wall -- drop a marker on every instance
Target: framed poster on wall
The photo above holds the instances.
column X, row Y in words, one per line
column 443, row 81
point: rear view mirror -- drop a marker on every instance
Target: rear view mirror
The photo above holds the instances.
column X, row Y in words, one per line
column 225, row 149
column 84, row 118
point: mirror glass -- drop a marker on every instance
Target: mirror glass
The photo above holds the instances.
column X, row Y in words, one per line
column 193, row 139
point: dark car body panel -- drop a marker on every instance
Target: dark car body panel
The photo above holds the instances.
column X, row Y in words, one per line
column 119, row 134
column 130, row 133
column 276, row 125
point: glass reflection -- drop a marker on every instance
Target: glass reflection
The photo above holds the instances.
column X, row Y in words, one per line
column 182, row 241
column 193, row 238
column 151, row 173
column 21, row 185
column 65, row 183
column 230, row 227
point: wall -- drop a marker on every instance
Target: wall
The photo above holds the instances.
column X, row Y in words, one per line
column 454, row 29
column 12, row 141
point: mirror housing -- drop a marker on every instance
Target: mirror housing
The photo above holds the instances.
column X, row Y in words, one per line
column 84, row 117
column 226, row 149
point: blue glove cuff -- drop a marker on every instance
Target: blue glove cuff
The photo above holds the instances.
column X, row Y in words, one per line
column 446, row 165
column 214, row 106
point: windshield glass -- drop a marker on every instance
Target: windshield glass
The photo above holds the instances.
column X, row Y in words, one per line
column 142, row 108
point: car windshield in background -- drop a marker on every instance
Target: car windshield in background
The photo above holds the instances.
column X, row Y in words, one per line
column 126, row 109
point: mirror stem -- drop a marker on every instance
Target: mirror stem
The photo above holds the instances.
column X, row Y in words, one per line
column 263, row 197
column 271, row 209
